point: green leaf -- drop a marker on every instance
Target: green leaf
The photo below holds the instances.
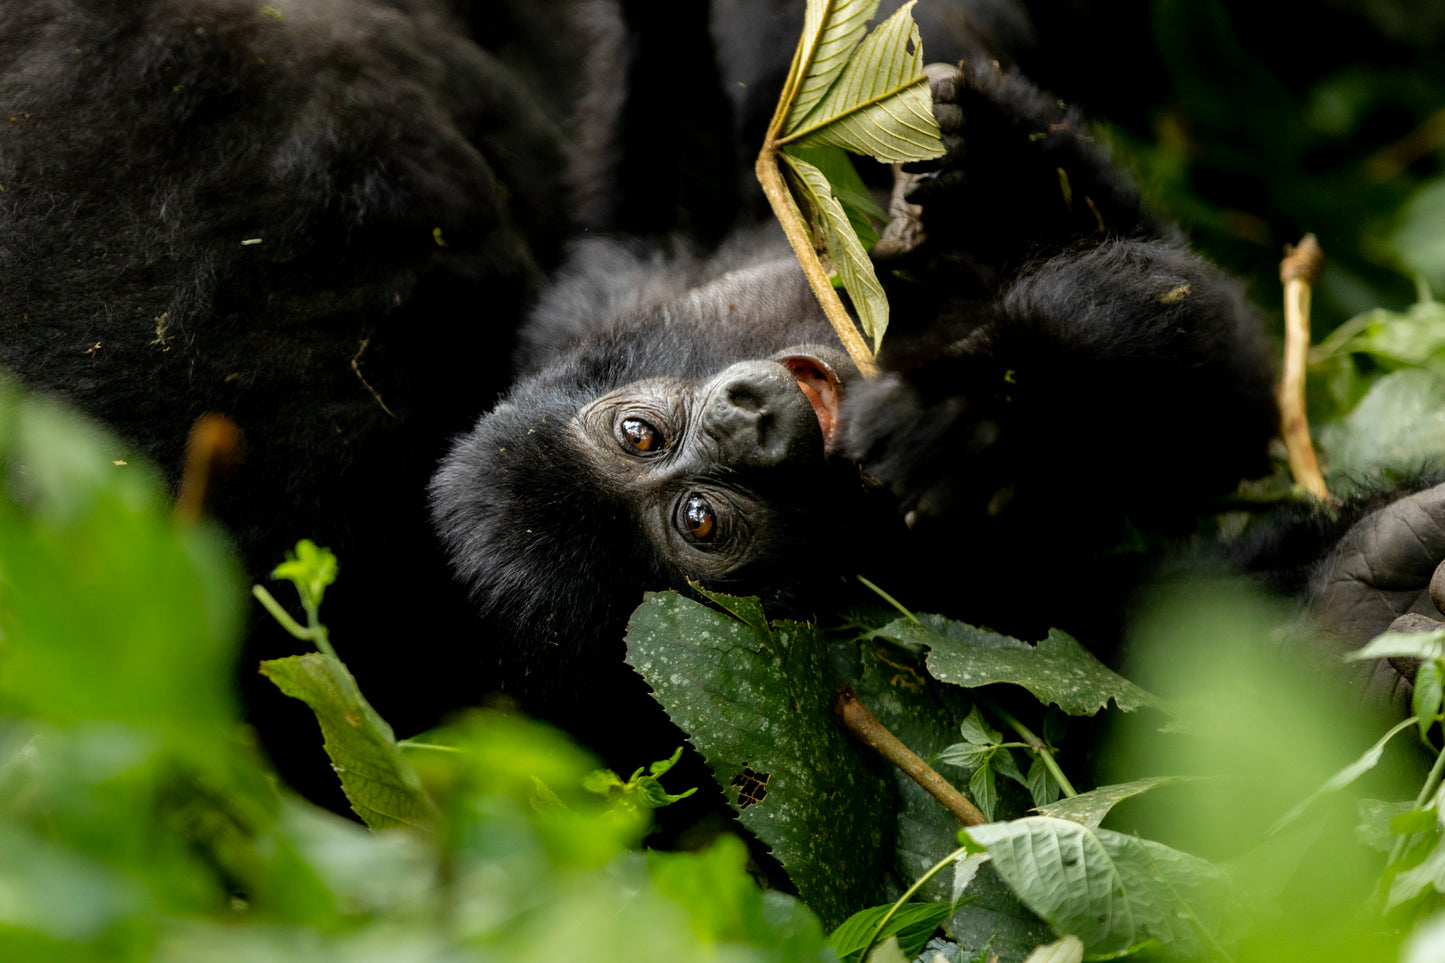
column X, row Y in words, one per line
column 1042, row 785
column 1090, row 808
column 757, row 702
column 848, row 187
column 1058, row 670
column 830, row 33
column 878, row 104
column 1426, row 646
column 1113, row 891
column 1381, row 821
column 978, row 732
column 913, row 924
column 1397, row 425
column 1002, row 762
column 311, row 569
column 966, row 755
column 983, row 789
column 379, row 782
column 1428, row 874
column 1428, row 693
column 849, row 257
column 641, row 790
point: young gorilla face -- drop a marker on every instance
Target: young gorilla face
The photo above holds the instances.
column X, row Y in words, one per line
column 685, row 440
column 716, row 473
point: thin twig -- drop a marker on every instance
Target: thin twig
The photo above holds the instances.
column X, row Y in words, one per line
column 867, row 729
column 1297, row 272
column 356, row 369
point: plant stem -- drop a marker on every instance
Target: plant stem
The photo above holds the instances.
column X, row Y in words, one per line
column 890, row 600
column 315, row 632
column 319, row 634
column 1297, row 272
column 908, row 894
column 1037, row 745
column 867, row 729
column 788, row 215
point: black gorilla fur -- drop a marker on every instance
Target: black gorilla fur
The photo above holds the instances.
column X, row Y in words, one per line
column 401, row 188
column 1061, row 367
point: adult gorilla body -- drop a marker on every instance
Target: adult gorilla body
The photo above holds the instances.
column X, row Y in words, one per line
column 320, row 219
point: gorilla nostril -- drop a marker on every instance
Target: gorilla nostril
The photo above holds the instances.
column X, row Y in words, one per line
column 746, row 397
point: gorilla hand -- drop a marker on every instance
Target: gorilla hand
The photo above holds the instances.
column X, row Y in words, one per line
column 1386, row 574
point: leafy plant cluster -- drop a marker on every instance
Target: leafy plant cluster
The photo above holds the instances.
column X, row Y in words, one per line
column 1250, row 758
column 137, row 822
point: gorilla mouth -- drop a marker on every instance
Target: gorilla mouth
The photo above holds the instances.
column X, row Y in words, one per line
column 820, row 385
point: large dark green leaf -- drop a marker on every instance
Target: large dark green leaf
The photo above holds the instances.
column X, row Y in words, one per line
column 757, row 701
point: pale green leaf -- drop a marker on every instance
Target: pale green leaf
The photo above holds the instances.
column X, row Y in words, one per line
column 1400, row 424
column 879, row 104
column 1070, row 949
column 1090, row 808
column 1113, row 891
column 1417, row 645
column 831, row 29
column 856, row 269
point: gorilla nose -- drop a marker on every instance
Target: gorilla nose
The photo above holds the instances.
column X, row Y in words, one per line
column 753, row 415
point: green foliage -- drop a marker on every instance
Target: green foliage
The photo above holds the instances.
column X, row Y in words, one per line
column 911, row 925
column 1254, row 735
column 641, row 790
column 137, row 824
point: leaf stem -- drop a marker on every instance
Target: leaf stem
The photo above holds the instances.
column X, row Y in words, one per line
column 315, row 632
column 864, row 726
column 908, row 894
column 770, row 176
column 1035, row 744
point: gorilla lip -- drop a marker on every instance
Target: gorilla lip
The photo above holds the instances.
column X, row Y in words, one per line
column 819, row 384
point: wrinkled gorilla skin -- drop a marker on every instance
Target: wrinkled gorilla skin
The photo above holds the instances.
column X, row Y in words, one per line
column 320, row 219
column 1059, row 371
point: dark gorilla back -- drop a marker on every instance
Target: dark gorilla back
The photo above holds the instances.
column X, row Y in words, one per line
column 320, row 219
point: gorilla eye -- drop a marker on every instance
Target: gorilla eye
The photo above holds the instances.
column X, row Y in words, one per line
column 640, row 436
column 698, row 518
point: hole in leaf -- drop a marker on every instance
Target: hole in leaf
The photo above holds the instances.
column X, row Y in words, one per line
column 752, row 787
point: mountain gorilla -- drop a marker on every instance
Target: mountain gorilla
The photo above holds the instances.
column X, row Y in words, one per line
column 1061, row 372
